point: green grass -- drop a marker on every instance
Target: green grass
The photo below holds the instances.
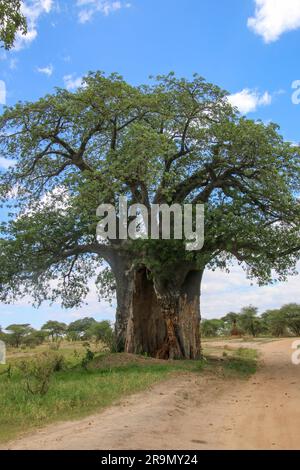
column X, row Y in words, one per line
column 76, row 392
column 242, row 363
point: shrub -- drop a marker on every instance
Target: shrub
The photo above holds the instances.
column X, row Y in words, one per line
column 102, row 332
column 210, row 328
column 7, row 372
column 55, row 346
column 89, row 356
column 37, row 372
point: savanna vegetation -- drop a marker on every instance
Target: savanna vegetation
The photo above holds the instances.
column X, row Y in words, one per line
column 64, row 371
column 64, row 378
column 85, row 329
column 281, row 322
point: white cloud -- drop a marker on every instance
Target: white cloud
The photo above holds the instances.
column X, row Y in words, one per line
column 32, row 9
column 58, row 199
column 71, row 82
column 2, row 92
column 223, row 292
column 275, row 17
column 13, row 64
column 88, row 8
column 6, row 163
column 48, row 70
column 248, row 101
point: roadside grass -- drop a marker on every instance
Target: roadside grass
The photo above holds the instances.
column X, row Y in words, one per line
column 242, row 363
column 239, row 339
column 232, row 362
column 68, row 349
column 75, row 392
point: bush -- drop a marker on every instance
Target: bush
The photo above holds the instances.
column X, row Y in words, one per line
column 36, row 338
column 211, row 328
column 55, row 346
column 89, row 356
column 37, row 372
column 7, row 372
column 102, row 332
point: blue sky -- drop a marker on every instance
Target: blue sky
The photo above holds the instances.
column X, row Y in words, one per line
column 248, row 47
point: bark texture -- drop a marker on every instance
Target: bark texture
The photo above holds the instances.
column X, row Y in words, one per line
column 162, row 322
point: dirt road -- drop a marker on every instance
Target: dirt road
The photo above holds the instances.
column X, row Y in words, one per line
column 195, row 412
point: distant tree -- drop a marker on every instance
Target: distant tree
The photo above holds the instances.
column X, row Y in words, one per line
column 54, row 328
column 35, row 338
column 72, row 336
column 101, row 331
column 12, row 21
column 275, row 322
column 18, row 333
column 81, row 326
column 230, row 322
column 211, row 327
column 249, row 321
column 291, row 313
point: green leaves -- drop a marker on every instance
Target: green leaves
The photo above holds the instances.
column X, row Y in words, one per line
column 12, row 21
column 178, row 140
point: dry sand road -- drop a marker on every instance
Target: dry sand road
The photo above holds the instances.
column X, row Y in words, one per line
column 194, row 412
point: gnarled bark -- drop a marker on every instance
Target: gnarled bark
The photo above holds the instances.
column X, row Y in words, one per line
column 161, row 322
column 125, row 279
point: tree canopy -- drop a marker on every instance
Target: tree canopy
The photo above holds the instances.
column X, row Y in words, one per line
column 54, row 328
column 175, row 141
column 84, row 329
column 18, row 333
column 291, row 313
column 82, row 326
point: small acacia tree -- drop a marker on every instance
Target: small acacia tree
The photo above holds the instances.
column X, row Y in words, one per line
column 18, row 334
column 102, row 332
column 291, row 314
column 275, row 322
column 230, row 321
column 54, row 328
column 249, row 321
column 79, row 328
column 211, row 327
column 177, row 141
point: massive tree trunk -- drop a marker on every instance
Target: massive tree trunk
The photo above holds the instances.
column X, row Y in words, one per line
column 162, row 322
column 125, row 278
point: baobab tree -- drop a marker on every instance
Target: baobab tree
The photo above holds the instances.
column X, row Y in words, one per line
column 177, row 141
